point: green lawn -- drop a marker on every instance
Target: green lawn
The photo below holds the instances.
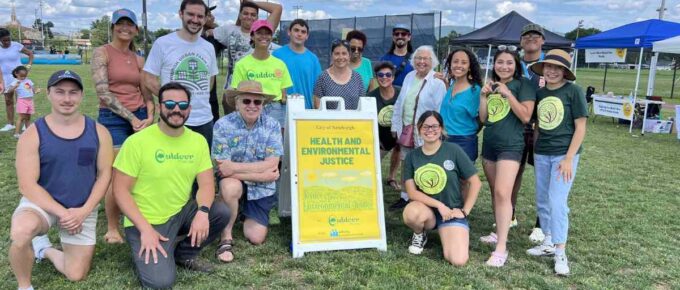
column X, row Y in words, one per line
column 625, row 207
column 622, row 82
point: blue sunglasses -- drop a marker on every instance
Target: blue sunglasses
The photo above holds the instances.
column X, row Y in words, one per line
column 170, row 105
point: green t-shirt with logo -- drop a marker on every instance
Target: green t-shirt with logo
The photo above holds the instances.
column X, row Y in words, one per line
column 164, row 168
column 439, row 175
column 504, row 131
column 272, row 73
column 556, row 111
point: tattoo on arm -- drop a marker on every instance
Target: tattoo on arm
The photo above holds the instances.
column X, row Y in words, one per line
column 101, row 78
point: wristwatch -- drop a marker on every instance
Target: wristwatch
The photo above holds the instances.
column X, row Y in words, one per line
column 204, row 209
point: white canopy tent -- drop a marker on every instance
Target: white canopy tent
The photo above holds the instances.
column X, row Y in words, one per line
column 670, row 45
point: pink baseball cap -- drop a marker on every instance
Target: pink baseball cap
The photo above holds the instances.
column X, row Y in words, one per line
column 260, row 24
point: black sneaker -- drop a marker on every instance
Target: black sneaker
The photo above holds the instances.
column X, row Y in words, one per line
column 399, row 204
column 196, row 265
column 418, row 242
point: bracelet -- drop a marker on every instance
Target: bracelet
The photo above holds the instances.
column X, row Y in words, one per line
column 464, row 213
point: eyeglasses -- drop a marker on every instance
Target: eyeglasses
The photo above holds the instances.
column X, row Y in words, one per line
column 170, row 105
column 510, row 48
column 248, row 101
column 422, row 58
column 531, row 36
column 384, row 75
column 400, row 34
column 430, row 127
column 356, row 49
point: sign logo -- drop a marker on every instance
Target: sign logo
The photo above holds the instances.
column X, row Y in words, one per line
column 550, row 113
column 497, row 107
column 160, row 156
column 627, row 110
column 385, row 116
column 430, row 178
column 332, row 221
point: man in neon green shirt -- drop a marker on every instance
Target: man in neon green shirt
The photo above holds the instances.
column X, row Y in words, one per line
column 266, row 69
column 155, row 170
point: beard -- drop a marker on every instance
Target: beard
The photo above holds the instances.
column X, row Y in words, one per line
column 186, row 27
column 166, row 119
column 400, row 43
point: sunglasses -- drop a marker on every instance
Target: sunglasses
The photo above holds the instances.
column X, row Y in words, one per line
column 170, row 105
column 384, row 75
column 248, row 101
column 510, row 48
column 400, row 34
column 340, row 42
column 356, row 49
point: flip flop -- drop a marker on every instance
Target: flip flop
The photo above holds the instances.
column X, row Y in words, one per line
column 394, row 184
column 223, row 247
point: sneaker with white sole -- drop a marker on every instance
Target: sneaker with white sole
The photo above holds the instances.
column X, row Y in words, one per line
column 40, row 244
column 547, row 248
column 513, row 223
column 7, row 128
column 16, row 136
column 561, row 265
column 418, row 242
column 536, row 235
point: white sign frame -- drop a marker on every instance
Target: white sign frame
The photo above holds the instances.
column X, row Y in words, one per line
column 296, row 111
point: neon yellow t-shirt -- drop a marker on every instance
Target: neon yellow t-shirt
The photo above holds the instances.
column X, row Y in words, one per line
column 272, row 73
column 165, row 168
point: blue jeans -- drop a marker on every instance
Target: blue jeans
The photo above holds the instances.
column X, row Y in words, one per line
column 552, row 194
column 277, row 111
column 469, row 144
column 119, row 128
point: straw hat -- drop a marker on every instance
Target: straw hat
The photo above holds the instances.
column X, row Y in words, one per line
column 557, row 57
column 246, row 87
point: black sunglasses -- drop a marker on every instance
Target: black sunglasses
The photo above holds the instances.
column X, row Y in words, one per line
column 384, row 75
column 356, row 49
column 399, row 34
column 248, row 101
column 170, row 105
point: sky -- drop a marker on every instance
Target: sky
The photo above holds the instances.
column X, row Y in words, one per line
column 559, row 16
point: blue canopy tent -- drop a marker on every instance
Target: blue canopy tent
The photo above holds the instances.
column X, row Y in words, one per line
column 634, row 35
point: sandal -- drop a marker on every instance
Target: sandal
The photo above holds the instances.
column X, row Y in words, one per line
column 490, row 239
column 394, row 184
column 223, row 247
column 497, row 259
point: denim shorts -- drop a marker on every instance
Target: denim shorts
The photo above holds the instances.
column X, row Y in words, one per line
column 119, row 128
column 257, row 210
column 469, row 144
column 493, row 154
column 454, row 222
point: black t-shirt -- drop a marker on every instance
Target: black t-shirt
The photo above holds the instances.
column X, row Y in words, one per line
column 385, row 109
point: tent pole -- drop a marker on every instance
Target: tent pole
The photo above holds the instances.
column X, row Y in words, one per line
column 637, row 83
column 675, row 70
column 574, row 62
column 488, row 58
column 604, row 82
column 652, row 74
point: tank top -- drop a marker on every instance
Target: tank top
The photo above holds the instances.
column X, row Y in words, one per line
column 68, row 167
column 124, row 78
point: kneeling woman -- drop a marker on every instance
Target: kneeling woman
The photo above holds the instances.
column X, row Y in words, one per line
column 433, row 175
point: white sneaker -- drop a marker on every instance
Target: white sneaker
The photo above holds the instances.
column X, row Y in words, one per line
column 513, row 223
column 40, row 244
column 561, row 265
column 418, row 242
column 547, row 248
column 17, row 136
column 7, row 128
column 537, row 235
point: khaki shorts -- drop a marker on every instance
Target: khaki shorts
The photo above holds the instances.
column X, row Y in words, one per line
column 86, row 237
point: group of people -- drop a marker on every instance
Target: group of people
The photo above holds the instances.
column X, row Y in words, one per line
column 161, row 177
column 530, row 112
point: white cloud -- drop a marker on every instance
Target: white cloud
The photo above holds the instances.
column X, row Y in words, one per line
column 308, row 15
column 521, row 7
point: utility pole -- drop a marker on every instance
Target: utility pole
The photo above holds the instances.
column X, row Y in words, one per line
column 146, row 28
column 297, row 9
column 655, row 57
column 474, row 21
column 662, row 9
column 42, row 25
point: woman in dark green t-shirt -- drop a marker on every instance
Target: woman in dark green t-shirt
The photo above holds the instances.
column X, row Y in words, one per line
column 562, row 113
column 505, row 105
column 433, row 174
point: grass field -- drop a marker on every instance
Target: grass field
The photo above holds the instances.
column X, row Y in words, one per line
column 625, row 208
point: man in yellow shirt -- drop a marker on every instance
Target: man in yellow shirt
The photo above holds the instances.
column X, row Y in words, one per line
column 154, row 173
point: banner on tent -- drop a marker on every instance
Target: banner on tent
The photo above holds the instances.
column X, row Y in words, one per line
column 606, row 55
column 613, row 107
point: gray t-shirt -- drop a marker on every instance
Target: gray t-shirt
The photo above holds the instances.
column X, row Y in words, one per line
column 191, row 64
